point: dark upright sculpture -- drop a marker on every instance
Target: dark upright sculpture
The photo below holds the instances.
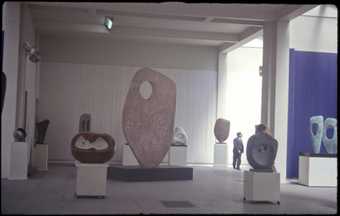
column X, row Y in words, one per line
column 148, row 122
column 261, row 150
column 221, row 129
column 3, row 89
column 85, row 123
column 92, row 147
column 41, row 128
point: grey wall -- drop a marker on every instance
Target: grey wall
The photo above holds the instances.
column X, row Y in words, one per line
column 90, row 75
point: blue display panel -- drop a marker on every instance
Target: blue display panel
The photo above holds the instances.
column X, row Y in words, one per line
column 312, row 91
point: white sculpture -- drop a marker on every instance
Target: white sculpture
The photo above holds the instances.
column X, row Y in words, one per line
column 330, row 144
column 180, row 137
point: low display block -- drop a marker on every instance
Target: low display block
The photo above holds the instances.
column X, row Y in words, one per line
column 178, row 155
column 220, row 154
column 129, row 158
column 91, row 180
column 318, row 170
column 161, row 173
column 19, row 161
column 40, row 157
column 261, row 186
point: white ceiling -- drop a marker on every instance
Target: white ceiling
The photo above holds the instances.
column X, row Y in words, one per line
column 210, row 24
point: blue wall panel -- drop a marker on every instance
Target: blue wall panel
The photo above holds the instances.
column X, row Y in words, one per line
column 312, row 91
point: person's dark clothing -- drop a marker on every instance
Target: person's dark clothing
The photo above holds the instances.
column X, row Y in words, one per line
column 237, row 152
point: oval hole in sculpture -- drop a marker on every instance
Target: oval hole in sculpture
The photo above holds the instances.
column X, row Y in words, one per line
column 329, row 132
column 315, row 128
column 145, row 90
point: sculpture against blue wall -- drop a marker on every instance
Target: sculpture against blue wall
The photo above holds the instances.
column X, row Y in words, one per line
column 312, row 92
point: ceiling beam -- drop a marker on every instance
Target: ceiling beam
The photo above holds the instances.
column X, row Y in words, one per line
column 289, row 15
column 128, row 32
column 247, row 35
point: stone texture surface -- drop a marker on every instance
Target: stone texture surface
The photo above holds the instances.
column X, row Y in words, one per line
column 92, row 155
column 221, row 129
column 148, row 123
column 261, row 151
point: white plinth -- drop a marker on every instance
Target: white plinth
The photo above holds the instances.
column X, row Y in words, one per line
column 91, row 179
column 220, row 154
column 40, row 157
column 261, row 186
column 178, row 155
column 19, row 160
column 318, row 171
column 129, row 158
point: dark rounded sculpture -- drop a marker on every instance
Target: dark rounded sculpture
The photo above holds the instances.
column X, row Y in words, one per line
column 221, row 129
column 41, row 128
column 261, row 151
column 19, row 135
column 92, row 147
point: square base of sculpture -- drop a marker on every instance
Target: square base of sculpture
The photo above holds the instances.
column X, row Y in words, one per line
column 220, row 154
column 129, row 158
column 178, row 155
column 318, row 170
column 160, row 173
column 261, row 186
column 19, row 161
column 91, row 179
column 40, row 157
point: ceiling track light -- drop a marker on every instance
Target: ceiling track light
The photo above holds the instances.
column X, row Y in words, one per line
column 108, row 22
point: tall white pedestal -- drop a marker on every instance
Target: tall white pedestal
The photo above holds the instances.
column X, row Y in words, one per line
column 40, row 157
column 261, row 186
column 220, row 154
column 19, row 160
column 318, row 171
column 178, row 155
column 91, row 179
column 129, row 158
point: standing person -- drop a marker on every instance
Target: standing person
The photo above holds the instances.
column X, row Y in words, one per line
column 237, row 151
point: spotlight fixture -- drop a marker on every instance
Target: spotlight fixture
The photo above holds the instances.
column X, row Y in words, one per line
column 108, row 21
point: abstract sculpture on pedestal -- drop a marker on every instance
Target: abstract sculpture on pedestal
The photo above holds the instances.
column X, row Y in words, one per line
column 221, row 130
column 180, row 137
column 19, row 135
column 92, row 147
column 148, row 119
column 316, row 131
column 85, row 123
column 330, row 144
column 40, row 129
column 261, row 149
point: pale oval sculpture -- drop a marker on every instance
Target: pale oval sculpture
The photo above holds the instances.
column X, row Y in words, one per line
column 316, row 132
column 221, row 129
column 148, row 123
column 331, row 143
column 180, row 137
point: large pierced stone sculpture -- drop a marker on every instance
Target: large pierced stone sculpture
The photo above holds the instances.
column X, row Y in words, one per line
column 261, row 151
column 92, row 147
column 316, row 131
column 148, row 116
column 221, row 129
column 180, row 137
column 330, row 144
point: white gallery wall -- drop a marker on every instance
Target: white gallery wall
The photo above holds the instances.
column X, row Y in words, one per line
column 92, row 75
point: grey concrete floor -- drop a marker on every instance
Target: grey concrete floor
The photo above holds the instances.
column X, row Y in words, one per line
column 213, row 190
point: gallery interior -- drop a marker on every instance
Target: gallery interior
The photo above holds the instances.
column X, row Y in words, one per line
column 172, row 107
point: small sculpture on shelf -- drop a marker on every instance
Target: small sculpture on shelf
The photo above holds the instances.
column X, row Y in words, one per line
column 40, row 129
column 261, row 149
column 221, row 130
column 19, row 135
column 316, row 131
column 180, row 137
column 330, row 144
column 92, row 147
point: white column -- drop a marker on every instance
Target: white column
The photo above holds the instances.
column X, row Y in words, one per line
column 11, row 27
column 221, row 86
column 281, row 96
column 275, row 85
